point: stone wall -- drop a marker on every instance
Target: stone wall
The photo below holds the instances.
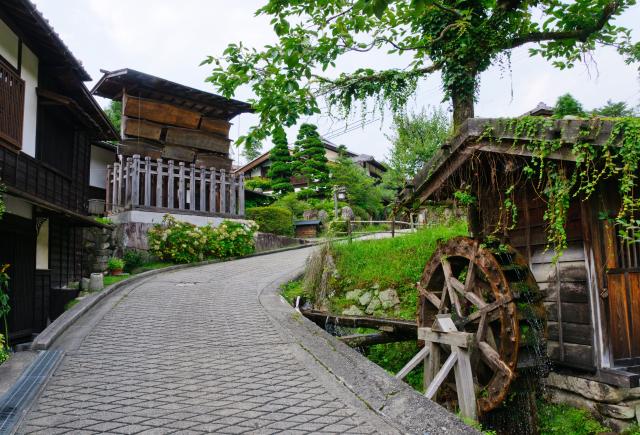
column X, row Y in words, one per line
column 617, row 407
column 268, row 241
column 99, row 245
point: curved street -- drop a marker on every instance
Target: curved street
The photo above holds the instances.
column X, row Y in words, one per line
column 193, row 351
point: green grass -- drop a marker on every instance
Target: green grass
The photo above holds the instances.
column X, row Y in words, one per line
column 291, row 290
column 567, row 420
column 389, row 263
column 70, row 304
column 111, row 279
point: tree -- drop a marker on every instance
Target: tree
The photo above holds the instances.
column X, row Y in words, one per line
column 363, row 196
column 281, row 169
column 460, row 39
column 114, row 113
column 310, row 159
column 567, row 105
column 615, row 110
column 415, row 139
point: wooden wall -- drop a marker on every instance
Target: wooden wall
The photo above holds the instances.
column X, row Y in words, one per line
column 569, row 319
column 162, row 130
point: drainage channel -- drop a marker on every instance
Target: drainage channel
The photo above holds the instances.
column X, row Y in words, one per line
column 16, row 402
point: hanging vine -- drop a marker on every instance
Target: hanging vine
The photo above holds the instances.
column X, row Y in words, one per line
column 616, row 158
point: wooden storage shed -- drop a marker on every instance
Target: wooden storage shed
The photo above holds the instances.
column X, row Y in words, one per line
column 592, row 291
column 163, row 119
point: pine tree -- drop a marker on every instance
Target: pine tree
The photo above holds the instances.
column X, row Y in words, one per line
column 310, row 159
column 281, row 168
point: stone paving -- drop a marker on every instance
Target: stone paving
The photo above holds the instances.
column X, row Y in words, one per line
column 193, row 351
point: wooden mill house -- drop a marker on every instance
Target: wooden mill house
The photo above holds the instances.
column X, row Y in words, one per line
column 174, row 153
column 592, row 293
column 48, row 123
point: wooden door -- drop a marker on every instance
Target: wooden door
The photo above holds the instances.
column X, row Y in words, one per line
column 18, row 248
column 623, row 288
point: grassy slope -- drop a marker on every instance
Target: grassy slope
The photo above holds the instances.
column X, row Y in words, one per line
column 390, row 263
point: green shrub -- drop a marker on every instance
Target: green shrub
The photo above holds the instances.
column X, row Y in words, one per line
column 104, row 220
column 181, row 242
column 275, row 220
column 115, row 263
column 229, row 239
column 258, row 183
column 133, row 259
column 291, row 202
column 4, row 352
column 567, row 420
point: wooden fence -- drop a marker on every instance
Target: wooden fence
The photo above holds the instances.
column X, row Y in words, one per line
column 148, row 184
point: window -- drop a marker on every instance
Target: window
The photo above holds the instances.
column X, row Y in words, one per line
column 11, row 105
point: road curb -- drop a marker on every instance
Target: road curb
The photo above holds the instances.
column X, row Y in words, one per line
column 47, row 337
column 391, row 399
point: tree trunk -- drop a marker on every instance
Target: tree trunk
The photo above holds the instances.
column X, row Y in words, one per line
column 462, row 109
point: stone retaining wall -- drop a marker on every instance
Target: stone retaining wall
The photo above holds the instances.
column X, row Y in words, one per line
column 269, row 242
column 99, row 245
column 617, row 407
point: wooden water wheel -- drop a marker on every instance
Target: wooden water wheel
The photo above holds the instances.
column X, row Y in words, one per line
column 486, row 291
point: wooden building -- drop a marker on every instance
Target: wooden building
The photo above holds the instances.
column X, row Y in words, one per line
column 174, row 153
column 592, row 293
column 48, row 122
column 259, row 167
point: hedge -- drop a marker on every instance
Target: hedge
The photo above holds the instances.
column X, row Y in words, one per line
column 275, row 220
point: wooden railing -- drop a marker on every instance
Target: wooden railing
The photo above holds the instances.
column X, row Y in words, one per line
column 11, row 105
column 149, row 184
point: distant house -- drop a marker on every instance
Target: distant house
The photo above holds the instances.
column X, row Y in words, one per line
column 259, row 167
column 50, row 126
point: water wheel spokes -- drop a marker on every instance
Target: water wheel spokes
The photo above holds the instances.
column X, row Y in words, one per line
column 464, row 279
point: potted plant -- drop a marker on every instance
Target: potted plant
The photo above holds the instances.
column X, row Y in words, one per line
column 115, row 265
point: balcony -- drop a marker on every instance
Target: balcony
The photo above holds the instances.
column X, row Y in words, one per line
column 167, row 187
column 11, row 105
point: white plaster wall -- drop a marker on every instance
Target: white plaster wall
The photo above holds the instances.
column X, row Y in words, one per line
column 8, row 44
column 30, row 76
column 18, row 206
column 100, row 158
column 29, row 72
column 42, row 247
column 332, row 156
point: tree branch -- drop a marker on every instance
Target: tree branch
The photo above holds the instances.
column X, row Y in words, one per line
column 580, row 34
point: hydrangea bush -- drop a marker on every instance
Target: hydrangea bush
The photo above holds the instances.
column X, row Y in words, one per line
column 182, row 242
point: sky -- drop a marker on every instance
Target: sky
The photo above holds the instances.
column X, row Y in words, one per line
column 169, row 39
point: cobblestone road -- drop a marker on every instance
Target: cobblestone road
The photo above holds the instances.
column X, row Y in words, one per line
column 193, row 351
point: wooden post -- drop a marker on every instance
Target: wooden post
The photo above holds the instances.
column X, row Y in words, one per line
column 147, row 181
column 170, row 185
column 192, row 187
column 203, row 189
column 127, row 182
column 159, row 175
column 119, row 199
column 464, row 383
column 181, row 186
column 212, row 190
column 241, row 196
column 393, row 225
column 135, row 181
column 349, row 229
column 108, row 187
column 232, row 194
column 223, row 191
